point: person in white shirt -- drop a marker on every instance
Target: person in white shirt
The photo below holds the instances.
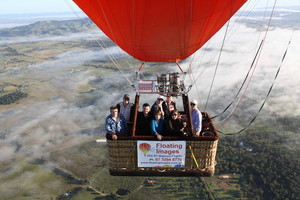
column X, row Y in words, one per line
column 196, row 118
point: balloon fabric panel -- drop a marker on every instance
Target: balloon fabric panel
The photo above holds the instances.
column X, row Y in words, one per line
column 160, row 30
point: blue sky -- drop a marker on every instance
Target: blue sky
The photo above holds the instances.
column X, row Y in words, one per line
column 35, row 6
column 42, row 6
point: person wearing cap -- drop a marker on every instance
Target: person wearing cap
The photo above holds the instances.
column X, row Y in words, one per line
column 158, row 106
column 168, row 107
column 196, row 117
column 115, row 124
column 125, row 107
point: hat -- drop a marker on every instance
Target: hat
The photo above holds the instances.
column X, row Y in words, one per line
column 194, row 101
column 126, row 96
column 161, row 97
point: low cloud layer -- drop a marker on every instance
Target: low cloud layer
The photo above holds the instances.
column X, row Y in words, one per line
column 235, row 62
column 69, row 100
column 91, row 35
column 62, row 107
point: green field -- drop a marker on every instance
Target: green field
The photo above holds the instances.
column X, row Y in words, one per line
column 54, row 97
column 81, row 172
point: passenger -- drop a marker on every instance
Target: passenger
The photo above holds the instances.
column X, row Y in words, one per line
column 168, row 107
column 143, row 121
column 157, row 125
column 125, row 107
column 158, row 106
column 174, row 126
column 196, row 118
column 115, row 124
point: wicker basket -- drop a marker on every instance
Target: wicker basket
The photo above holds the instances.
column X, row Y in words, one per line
column 200, row 151
column 199, row 159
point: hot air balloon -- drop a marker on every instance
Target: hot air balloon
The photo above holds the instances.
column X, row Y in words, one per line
column 145, row 148
column 162, row 31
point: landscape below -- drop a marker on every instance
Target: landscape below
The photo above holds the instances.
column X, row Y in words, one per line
column 260, row 163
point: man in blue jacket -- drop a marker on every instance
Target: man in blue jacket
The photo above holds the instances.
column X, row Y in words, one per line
column 115, row 124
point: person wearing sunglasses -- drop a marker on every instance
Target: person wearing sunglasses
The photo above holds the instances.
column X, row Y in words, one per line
column 196, row 118
column 174, row 125
column 158, row 106
column 125, row 107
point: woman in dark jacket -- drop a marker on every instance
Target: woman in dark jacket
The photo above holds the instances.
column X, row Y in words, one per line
column 174, row 125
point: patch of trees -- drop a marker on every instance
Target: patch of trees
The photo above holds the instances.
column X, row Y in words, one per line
column 12, row 97
column 8, row 51
column 268, row 168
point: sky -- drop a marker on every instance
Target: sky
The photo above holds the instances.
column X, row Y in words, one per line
column 40, row 6
column 35, row 6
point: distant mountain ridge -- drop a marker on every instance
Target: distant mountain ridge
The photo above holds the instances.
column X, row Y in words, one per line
column 49, row 28
column 284, row 17
column 289, row 18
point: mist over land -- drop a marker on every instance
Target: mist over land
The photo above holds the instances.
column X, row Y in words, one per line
column 70, row 84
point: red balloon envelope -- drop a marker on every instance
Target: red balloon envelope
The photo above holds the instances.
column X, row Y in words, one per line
column 160, row 30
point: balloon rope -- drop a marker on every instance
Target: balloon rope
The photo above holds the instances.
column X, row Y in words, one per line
column 256, row 62
column 219, row 58
column 192, row 78
column 267, row 96
column 230, row 34
column 102, row 45
column 255, row 58
column 241, row 87
column 193, row 156
column 114, row 39
column 215, row 72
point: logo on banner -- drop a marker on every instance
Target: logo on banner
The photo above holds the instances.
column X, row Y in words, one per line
column 145, row 148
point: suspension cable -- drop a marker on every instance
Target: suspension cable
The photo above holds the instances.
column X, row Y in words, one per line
column 266, row 98
column 255, row 58
column 230, row 34
column 243, row 94
column 228, row 37
column 256, row 62
column 114, row 39
column 111, row 31
column 194, row 78
column 101, row 43
column 215, row 72
column 241, row 87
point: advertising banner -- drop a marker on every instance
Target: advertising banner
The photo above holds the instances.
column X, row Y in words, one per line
column 161, row 153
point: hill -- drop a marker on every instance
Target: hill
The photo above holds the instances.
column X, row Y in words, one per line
column 287, row 18
column 45, row 129
column 49, row 28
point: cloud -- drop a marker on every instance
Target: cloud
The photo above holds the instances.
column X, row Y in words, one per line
column 89, row 35
column 234, row 66
column 69, row 97
column 64, row 109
